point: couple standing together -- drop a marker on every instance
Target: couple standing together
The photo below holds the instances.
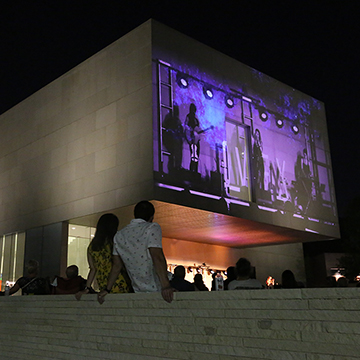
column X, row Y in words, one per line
column 136, row 250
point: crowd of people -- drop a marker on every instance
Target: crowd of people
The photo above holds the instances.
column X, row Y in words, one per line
column 132, row 260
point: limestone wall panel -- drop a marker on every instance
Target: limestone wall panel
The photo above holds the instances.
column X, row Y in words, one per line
column 61, row 145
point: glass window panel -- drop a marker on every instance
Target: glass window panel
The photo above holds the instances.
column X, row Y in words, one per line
column 79, row 231
column 2, row 278
column 7, row 275
column 78, row 242
column 19, row 256
column 11, row 258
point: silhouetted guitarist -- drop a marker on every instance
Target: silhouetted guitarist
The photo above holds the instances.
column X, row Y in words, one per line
column 192, row 135
column 192, row 128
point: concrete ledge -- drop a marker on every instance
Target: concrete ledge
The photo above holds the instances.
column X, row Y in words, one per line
column 307, row 324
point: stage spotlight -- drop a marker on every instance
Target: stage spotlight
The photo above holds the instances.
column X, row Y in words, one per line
column 229, row 101
column 208, row 93
column 263, row 116
column 182, row 80
column 279, row 123
column 295, row 129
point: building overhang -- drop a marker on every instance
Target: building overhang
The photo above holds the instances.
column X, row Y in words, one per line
column 186, row 223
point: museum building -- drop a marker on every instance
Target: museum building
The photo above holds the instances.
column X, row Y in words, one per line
column 235, row 162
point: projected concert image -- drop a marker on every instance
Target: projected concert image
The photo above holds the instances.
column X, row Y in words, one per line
column 257, row 150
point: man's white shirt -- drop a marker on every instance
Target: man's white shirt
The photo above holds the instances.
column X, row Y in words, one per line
column 132, row 243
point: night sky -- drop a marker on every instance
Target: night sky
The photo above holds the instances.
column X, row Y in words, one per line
column 312, row 46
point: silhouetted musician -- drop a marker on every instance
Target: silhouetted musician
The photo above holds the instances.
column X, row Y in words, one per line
column 173, row 138
column 192, row 135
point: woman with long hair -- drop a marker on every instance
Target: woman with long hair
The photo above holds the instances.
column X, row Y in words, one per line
column 99, row 255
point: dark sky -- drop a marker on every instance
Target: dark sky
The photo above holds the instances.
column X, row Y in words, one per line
column 313, row 46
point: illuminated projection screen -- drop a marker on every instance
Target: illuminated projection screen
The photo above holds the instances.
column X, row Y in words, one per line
column 232, row 140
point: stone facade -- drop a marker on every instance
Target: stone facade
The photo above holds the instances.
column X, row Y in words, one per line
column 81, row 144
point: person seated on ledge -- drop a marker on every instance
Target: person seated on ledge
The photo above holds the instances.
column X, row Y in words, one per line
column 178, row 281
column 138, row 250
column 342, row 282
column 230, row 276
column 69, row 285
column 199, row 283
column 31, row 284
column 288, row 280
column 99, row 255
column 243, row 280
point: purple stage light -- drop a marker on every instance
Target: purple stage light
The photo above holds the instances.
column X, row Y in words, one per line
column 184, row 83
column 176, row 188
column 210, row 196
column 237, row 202
column 208, row 93
column 182, row 80
column 279, row 123
column 246, row 99
column 263, row 116
column 295, row 129
column 265, row 208
column 229, row 102
column 312, row 231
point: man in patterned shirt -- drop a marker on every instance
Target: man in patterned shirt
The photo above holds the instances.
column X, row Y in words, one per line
column 138, row 248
